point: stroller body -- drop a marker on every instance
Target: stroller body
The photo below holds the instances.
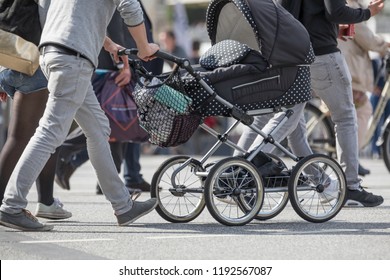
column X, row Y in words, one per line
column 280, row 77
column 254, row 67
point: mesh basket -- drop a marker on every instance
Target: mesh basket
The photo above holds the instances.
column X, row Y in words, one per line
column 165, row 112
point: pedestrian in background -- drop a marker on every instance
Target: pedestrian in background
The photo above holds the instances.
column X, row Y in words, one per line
column 356, row 53
column 331, row 81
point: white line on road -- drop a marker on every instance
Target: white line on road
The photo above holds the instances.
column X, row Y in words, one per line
column 261, row 232
column 193, row 236
column 65, row 241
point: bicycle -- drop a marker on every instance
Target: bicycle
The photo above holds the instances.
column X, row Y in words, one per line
column 320, row 128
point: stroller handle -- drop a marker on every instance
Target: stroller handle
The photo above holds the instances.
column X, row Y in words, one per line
column 160, row 54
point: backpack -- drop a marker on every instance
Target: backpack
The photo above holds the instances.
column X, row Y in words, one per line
column 21, row 17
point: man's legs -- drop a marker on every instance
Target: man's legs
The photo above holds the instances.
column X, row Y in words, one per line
column 132, row 168
column 296, row 124
column 331, row 81
column 64, row 99
column 95, row 126
column 69, row 86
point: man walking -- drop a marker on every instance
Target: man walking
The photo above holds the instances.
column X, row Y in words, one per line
column 73, row 35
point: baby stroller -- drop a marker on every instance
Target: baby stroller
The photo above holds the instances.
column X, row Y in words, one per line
column 254, row 67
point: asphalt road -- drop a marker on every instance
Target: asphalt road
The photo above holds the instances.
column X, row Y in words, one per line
column 92, row 233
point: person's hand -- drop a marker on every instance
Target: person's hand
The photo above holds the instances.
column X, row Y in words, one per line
column 123, row 78
column 342, row 27
column 148, row 53
column 113, row 49
column 3, row 97
column 376, row 6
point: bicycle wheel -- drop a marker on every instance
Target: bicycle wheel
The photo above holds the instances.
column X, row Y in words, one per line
column 320, row 132
column 385, row 147
column 234, row 191
column 274, row 201
column 184, row 201
column 317, row 188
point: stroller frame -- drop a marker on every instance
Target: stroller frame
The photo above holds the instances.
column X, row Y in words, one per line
column 233, row 189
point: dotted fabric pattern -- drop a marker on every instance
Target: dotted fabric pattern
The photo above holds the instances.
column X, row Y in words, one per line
column 299, row 92
column 223, row 54
column 310, row 56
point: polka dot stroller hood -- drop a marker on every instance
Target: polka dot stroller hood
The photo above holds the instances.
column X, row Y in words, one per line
column 260, row 58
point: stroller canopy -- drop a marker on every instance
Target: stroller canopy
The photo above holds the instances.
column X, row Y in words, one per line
column 264, row 25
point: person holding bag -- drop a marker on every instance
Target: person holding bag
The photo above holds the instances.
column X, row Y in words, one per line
column 29, row 94
column 108, row 80
column 74, row 32
column 331, row 81
column 356, row 53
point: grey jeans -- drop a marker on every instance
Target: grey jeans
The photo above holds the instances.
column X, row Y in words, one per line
column 331, row 81
column 294, row 129
column 71, row 97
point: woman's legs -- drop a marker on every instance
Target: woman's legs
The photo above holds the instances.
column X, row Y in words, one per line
column 27, row 110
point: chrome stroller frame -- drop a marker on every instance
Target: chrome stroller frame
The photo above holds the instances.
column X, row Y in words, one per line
column 233, row 189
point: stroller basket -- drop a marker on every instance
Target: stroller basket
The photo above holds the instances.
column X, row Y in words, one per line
column 165, row 112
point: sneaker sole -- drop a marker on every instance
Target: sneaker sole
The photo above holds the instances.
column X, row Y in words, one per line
column 141, row 215
column 44, row 228
column 52, row 216
column 354, row 203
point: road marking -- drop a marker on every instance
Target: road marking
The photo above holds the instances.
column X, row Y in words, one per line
column 262, row 232
column 193, row 236
column 292, row 232
column 66, row 240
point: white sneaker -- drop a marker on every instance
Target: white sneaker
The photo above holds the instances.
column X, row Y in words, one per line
column 54, row 211
column 330, row 193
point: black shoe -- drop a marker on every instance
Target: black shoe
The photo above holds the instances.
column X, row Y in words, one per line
column 361, row 197
column 363, row 171
column 63, row 173
column 143, row 186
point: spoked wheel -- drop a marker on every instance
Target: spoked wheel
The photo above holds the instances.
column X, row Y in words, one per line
column 275, row 198
column 317, row 188
column 234, row 191
column 183, row 201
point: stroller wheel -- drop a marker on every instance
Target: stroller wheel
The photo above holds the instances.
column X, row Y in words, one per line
column 183, row 201
column 317, row 188
column 234, row 191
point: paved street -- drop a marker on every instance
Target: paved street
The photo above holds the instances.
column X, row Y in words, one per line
column 355, row 233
